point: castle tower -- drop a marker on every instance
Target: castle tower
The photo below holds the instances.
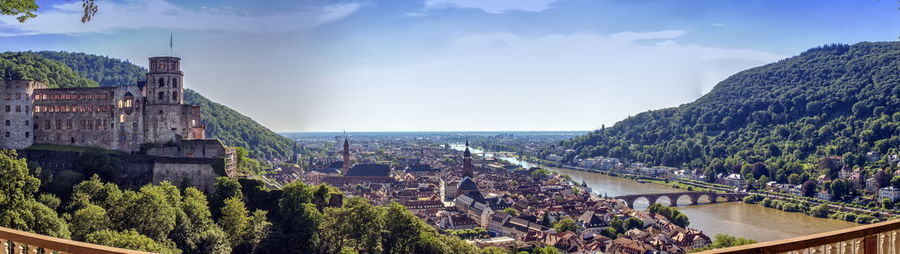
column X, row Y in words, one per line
column 165, row 81
column 166, row 117
column 346, row 155
column 467, row 169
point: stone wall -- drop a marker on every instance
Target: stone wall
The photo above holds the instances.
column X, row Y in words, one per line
column 16, row 119
column 138, row 170
column 103, row 117
column 200, row 173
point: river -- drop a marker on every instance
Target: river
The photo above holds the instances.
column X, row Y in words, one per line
column 733, row 218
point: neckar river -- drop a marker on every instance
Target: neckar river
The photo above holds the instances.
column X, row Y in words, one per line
column 733, row 218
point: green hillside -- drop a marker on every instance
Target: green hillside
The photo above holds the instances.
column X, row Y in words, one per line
column 831, row 100
column 66, row 69
column 30, row 66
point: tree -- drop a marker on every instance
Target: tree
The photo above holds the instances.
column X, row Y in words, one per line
column 88, row 220
column 840, row 189
column 402, row 229
column 129, row 239
column 887, row 203
column 795, row 179
column 724, row 241
column 24, row 9
column 235, row 221
column 809, row 188
column 567, row 224
column 633, row 222
column 225, row 188
column 300, row 229
column 895, row 182
column 681, row 220
column 18, row 207
column 882, row 178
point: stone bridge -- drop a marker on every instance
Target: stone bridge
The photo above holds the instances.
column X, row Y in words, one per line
column 673, row 197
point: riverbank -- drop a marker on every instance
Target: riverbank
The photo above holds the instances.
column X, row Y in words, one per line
column 803, row 205
column 734, row 218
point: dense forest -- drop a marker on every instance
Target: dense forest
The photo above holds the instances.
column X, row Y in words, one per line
column 30, row 66
column 774, row 120
column 66, row 69
column 106, row 71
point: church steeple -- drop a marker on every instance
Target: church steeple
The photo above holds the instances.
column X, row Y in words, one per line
column 467, row 169
column 346, row 155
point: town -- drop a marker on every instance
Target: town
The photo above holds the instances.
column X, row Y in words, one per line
column 490, row 201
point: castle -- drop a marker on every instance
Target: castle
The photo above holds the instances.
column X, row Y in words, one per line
column 148, row 118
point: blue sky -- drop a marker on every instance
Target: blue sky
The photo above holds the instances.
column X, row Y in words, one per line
column 372, row 65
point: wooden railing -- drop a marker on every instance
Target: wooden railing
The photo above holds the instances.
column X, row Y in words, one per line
column 880, row 238
column 20, row 242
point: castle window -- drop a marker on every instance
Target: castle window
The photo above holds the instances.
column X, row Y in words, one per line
column 27, row 134
column 47, row 124
column 134, row 126
column 7, row 108
column 7, row 123
column 175, row 96
column 18, row 108
column 27, row 123
column 161, row 95
column 122, row 118
column 161, row 82
column 120, row 104
column 69, row 124
column 59, row 124
column 7, row 134
column 175, row 82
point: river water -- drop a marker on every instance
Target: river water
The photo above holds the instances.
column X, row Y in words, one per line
column 734, row 218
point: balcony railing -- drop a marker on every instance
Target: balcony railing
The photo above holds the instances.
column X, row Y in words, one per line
column 20, row 242
column 880, row 238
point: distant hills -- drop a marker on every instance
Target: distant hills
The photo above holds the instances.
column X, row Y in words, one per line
column 67, row 69
column 832, row 100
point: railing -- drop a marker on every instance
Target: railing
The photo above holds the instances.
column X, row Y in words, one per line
column 20, row 242
column 880, row 238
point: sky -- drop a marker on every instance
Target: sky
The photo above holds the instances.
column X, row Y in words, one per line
column 452, row 65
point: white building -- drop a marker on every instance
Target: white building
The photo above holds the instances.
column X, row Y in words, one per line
column 889, row 192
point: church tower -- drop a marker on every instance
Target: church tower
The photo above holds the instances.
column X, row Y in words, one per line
column 346, row 155
column 467, row 169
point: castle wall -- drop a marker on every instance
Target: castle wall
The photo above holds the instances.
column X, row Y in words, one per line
column 138, row 170
column 201, row 175
column 103, row 117
column 16, row 119
column 167, row 123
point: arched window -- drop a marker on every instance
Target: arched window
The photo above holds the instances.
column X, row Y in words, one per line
column 122, row 118
column 175, row 82
column 161, row 95
column 129, row 100
column 175, row 96
column 161, row 82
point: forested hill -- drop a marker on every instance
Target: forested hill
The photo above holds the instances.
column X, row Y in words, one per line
column 66, row 69
column 30, row 66
column 830, row 100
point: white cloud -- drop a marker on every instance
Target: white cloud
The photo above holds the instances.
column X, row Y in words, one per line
column 143, row 14
column 503, row 81
column 492, row 6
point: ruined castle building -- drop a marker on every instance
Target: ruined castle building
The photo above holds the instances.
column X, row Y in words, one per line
column 16, row 118
column 119, row 118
